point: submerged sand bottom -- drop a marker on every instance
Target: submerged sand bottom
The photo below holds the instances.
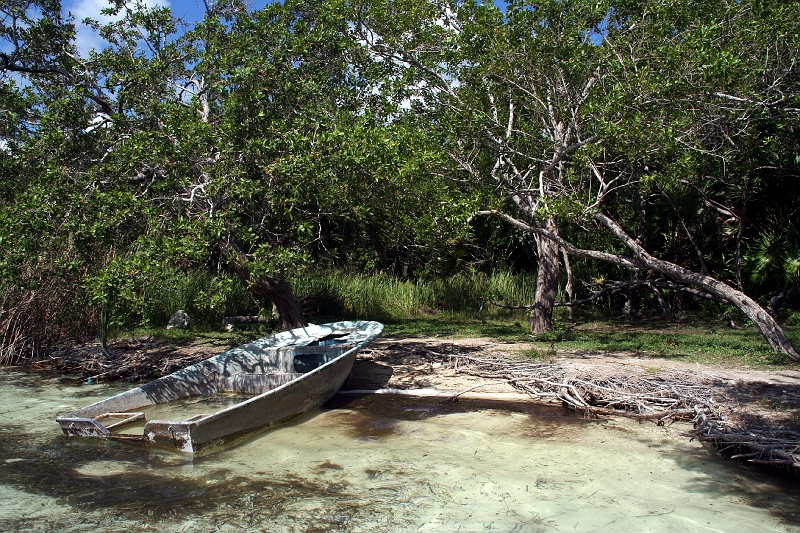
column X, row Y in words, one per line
column 182, row 409
column 378, row 463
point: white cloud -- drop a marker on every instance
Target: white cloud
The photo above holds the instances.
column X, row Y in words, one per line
column 87, row 39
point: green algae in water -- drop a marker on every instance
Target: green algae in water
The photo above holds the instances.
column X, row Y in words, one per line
column 378, row 464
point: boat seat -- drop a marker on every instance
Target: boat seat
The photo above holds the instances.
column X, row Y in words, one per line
column 128, row 419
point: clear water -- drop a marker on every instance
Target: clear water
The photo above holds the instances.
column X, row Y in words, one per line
column 181, row 410
column 377, row 463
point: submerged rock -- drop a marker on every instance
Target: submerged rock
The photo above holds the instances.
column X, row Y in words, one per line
column 179, row 320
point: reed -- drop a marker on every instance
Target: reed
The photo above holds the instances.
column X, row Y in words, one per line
column 382, row 296
column 40, row 315
column 205, row 296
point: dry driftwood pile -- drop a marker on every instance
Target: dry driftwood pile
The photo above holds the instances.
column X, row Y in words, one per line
column 770, row 447
column 128, row 360
column 661, row 397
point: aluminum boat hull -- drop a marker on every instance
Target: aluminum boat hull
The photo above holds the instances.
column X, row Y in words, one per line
column 266, row 368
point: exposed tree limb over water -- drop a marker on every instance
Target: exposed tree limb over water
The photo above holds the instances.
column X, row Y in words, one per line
column 662, row 397
column 771, row 447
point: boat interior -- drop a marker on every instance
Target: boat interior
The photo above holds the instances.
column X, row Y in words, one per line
column 218, row 384
column 247, row 371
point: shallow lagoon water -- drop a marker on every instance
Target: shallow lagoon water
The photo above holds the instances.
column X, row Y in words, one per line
column 377, row 463
column 182, row 409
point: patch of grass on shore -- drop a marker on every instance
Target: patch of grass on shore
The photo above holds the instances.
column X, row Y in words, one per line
column 692, row 341
column 697, row 342
column 458, row 326
column 705, row 342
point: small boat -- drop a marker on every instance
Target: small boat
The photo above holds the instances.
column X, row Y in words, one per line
column 272, row 380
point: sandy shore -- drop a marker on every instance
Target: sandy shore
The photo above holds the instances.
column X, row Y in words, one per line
column 765, row 401
column 762, row 398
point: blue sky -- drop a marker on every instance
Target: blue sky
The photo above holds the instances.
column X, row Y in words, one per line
column 192, row 9
column 189, row 10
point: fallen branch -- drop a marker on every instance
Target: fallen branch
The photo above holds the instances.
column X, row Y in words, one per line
column 618, row 287
column 663, row 398
column 128, row 360
column 765, row 323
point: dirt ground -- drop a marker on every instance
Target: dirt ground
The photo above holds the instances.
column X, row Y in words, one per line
column 762, row 399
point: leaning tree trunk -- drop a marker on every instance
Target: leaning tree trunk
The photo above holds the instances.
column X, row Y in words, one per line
column 568, row 289
column 631, row 306
column 541, row 316
column 767, row 325
column 274, row 288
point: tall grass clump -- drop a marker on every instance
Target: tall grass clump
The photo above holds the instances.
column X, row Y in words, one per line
column 467, row 292
column 40, row 313
column 204, row 295
column 208, row 296
column 382, row 296
column 352, row 295
column 54, row 309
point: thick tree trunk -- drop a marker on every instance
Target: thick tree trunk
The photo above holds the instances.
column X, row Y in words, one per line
column 569, row 287
column 740, row 240
column 541, row 316
column 631, row 307
column 276, row 289
column 767, row 325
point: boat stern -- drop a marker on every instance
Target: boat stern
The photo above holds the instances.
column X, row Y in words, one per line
column 82, row 427
column 171, row 435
